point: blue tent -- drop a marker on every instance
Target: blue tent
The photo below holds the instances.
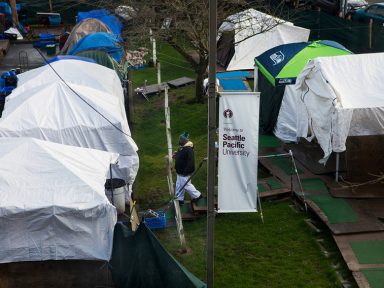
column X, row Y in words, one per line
column 70, row 57
column 99, row 41
column 113, row 23
column 6, row 9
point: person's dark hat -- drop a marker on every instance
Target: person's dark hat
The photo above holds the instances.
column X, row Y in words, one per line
column 184, row 136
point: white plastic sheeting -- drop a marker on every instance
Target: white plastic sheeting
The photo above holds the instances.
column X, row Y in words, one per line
column 255, row 33
column 44, row 107
column 52, row 202
column 343, row 96
column 292, row 112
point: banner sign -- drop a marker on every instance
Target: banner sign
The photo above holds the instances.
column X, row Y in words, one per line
column 238, row 151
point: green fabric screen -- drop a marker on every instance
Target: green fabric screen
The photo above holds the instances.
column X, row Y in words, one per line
column 139, row 260
column 102, row 58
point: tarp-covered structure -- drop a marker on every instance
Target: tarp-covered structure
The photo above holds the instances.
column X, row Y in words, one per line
column 247, row 34
column 278, row 67
column 139, row 260
column 103, row 41
column 103, row 58
column 53, row 205
column 105, row 16
column 81, row 29
column 343, row 96
column 83, row 107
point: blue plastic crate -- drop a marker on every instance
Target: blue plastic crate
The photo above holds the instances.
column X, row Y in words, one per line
column 47, row 36
column 155, row 222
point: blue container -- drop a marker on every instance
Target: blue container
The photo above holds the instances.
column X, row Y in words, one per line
column 153, row 223
column 54, row 19
column 47, row 36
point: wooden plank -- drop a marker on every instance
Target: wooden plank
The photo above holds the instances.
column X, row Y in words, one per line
column 181, row 82
column 360, row 279
column 155, row 88
column 343, row 243
column 367, row 191
column 275, row 192
column 135, row 220
column 366, row 223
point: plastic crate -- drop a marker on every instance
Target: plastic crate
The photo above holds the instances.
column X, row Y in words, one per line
column 47, row 36
column 159, row 222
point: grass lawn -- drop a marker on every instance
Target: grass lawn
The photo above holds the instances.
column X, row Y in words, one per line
column 283, row 252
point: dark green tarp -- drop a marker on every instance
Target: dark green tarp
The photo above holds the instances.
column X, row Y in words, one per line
column 139, row 261
column 352, row 34
column 102, row 58
column 270, row 102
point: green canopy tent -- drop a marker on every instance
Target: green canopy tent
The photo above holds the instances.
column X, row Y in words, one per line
column 280, row 66
column 139, row 260
column 103, row 58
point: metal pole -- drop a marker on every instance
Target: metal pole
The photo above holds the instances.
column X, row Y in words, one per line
column 211, row 141
column 15, row 18
column 337, row 166
column 255, row 79
column 50, row 6
column 130, row 99
column 153, row 41
column 158, row 77
column 179, row 220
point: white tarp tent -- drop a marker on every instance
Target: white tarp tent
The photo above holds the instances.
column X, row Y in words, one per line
column 257, row 32
column 52, row 202
column 44, row 107
column 343, row 96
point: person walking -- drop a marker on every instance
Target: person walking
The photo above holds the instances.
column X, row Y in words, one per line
column 185, row 165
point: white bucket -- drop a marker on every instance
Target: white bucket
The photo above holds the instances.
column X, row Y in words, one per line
column 118, row 199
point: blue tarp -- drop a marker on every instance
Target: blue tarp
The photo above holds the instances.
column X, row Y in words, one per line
column 99, row 41
column 113, row 23
column 234, row 74
column 6, row 9
column 235, row 84
column 70, row 57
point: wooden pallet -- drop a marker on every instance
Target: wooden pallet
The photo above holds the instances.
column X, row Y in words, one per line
column 179, row 82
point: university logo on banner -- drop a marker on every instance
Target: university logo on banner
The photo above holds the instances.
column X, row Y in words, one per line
column 238, row 151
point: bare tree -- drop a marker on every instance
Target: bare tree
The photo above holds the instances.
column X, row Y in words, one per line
column 184, row 25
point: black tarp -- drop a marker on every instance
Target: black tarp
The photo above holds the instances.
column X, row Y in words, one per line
column 225, row 48
column 140, row 261
column 270, row 102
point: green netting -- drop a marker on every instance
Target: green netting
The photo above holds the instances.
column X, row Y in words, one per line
column 337, row 210
column 261, row 188
column 285, row 164
column 298, row 62
column 375, row 277
column 139, row 260
column 274, row 183
column 369, row 252
column 314, row 184
column 102, row 58
column 268, row 141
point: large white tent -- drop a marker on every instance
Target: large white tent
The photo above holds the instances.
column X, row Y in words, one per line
column 256, row 32
column 52, row 202
column 83, row 107
column 342, row 96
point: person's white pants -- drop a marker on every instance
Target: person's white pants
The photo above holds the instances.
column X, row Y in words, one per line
column 191, row 190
